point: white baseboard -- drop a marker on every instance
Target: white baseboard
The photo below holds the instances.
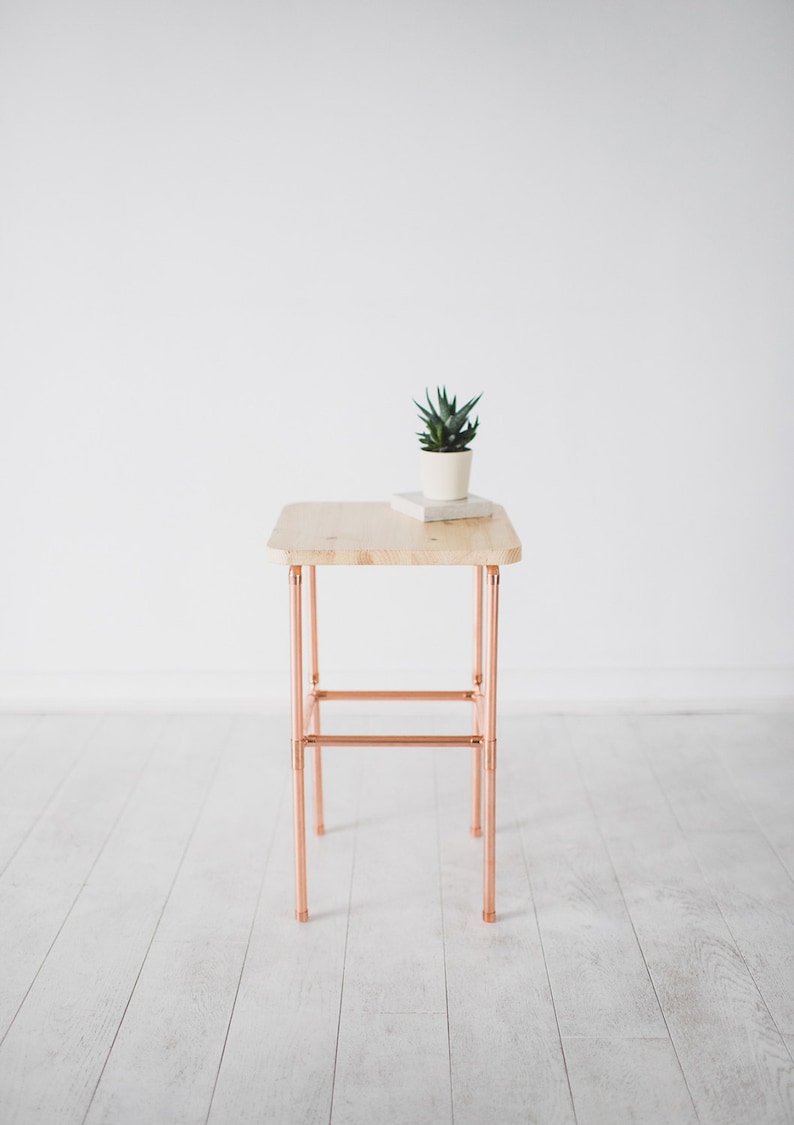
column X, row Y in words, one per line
column 537, row 690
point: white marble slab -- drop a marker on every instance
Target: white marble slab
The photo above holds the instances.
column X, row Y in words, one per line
column 419, row 507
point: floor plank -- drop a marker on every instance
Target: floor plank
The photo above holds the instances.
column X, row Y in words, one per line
column 69, row 836
column 278, row 1063
column 215, row 894
column 41, row 883
column 14, row 729
column 506, row 1058
column 199, row 947
column 149, row 841
column 53, row 1054
column 755, row 895
column 628, row 1080
column 394, row 997
column 151, row 967
column 598, row 975
column 757, row 752
column 173, row 1033
column 395, row 957
column 734, row 1061
column 33, row 771
column 684, row 755
column 393, row 1068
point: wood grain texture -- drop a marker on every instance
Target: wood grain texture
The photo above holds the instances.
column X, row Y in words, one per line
column 69, row 836
column 31, row 915
column 131, row 990
column 215, row 893
column 627, row 1080
column 734, row 1061
column 755, row 895
column 187, row 986
column 13, row 731
column 55, row 1050
column 173, row 1033
column 393, row 1068
column 685, row 758
column 45, row 876
column 279, row 1060
column 757, row 752
column 149, row 841
column 32, row 771
column 395, row 958
column 506, row 1058
column 372, row 534
column 598, row 975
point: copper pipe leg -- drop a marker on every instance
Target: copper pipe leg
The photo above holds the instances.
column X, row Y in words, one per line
column 476, row 662
column 314, row 674
column 489, row 762
column 301, row 907
column 476, row 780
column 296, row 690
column 489, row 877
column 317, row 763
column 476, row 789
column 476, row 676
column 314, row 679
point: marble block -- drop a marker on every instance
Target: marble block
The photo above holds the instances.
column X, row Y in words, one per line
column 417, row 505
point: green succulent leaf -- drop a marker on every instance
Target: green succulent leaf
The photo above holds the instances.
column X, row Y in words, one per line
column 457, row 420
column 447, row 429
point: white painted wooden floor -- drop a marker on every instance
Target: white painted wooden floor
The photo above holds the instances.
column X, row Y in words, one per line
column 641, row 970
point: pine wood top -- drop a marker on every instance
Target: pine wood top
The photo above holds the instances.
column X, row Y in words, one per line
column 373, row 534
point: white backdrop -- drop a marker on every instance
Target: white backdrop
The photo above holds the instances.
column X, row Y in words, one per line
column 238, row 238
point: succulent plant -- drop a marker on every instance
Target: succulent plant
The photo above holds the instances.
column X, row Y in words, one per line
column 446, row 427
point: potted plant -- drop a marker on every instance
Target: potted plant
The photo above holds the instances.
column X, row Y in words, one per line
column 445, row 441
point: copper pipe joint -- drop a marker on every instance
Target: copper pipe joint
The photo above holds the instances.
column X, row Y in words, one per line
column 297, row 754
column 489, row 762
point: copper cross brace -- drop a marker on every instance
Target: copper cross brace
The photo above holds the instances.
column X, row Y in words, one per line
column 393, row 740
column 467, row 695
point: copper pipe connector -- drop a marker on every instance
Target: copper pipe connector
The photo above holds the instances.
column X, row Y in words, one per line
column 309, row 707
column 489, row 756
column 298, row 759
column 479, row 707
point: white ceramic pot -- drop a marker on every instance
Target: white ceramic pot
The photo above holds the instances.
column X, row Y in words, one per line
column 445, row 476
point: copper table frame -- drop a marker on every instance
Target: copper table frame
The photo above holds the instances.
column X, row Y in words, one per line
column 306, row 733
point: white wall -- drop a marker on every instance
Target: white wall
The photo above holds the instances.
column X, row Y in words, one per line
column 239, row 237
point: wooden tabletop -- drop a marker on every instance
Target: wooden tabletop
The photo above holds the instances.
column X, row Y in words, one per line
column 373, row 534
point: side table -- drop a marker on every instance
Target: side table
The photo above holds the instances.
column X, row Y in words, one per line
column 308, row 535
